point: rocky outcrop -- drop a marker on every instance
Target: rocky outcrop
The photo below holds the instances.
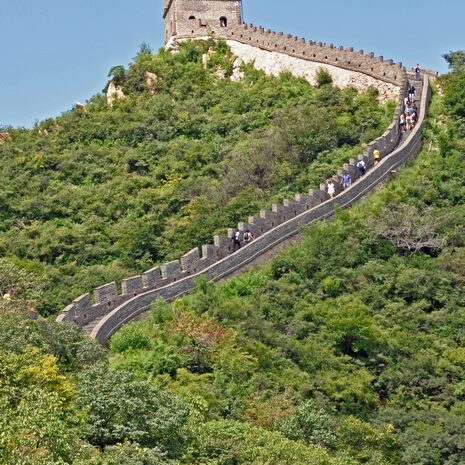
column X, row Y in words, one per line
column 114, row 93
column 274, row 63
column 151, row 81
column 4, row 136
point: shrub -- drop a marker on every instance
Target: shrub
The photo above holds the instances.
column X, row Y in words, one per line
column 129, row 337
column 323, row 77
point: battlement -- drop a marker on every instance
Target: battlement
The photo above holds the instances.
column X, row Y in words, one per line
column 112, row 305
column 288, row 44
column 108, row 297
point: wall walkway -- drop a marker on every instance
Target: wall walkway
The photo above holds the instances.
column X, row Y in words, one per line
column 216, row 261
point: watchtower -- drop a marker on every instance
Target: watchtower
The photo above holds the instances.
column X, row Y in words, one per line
column 200, row 18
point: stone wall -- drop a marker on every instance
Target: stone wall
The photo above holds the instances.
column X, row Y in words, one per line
column 194, row 18
column 217, row 260
column 274, row 63
column 305, row 210
column 339, row 56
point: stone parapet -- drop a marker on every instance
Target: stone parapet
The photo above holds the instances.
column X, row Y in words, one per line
column 218, row 260
column 133, row 307
column 287, row 44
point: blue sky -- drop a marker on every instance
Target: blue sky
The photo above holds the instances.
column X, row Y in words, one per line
column 57, row 52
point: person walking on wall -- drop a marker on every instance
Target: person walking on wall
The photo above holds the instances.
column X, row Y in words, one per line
column 417, row 71
column 236, row 240
column 346, row 180
column 248, row 236
column 402, row 122
column 331, row 189
column 362, row 167
column 411, row 93
column 406, row 102
column 376, row 156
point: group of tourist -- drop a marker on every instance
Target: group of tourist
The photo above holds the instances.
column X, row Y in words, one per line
column 407, row 122
column 346, row 179
column 408, row 118
column 238, row 238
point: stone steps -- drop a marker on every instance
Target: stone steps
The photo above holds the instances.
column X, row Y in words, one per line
column 89, row 327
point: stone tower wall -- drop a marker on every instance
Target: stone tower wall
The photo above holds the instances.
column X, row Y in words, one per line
column 199, row 18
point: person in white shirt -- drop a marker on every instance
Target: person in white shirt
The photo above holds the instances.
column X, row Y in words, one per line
column 331, row 189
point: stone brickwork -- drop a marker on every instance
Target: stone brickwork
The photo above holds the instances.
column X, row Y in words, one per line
column 274, row 63
column 200, row 18
column 111, row 309
column 316, row 206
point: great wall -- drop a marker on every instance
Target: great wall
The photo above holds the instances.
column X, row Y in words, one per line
column 110, row 309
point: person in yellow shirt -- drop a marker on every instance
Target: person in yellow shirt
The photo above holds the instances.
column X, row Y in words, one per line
column 376, row 156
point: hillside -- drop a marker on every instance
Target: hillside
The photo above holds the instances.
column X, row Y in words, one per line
column 352, row 340
column 348, row 348
column 102, row 192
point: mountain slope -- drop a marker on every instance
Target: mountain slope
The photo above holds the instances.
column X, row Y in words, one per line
column 100, row 193
column 357, row 330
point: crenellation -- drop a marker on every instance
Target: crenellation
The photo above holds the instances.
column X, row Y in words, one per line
column 152, row 277
column 171, row 270
column 243, row 226
column 282, row 212
column 270, row 217
column 337, row 181
column 353, row 169
column 131, row 285
column 209, row 252
column 82, row 303
column 223, row 244
column 307, row 201
column 191, row 260
column 295, row 208
column 318, row 195
column 105, row 293
column 259, row 225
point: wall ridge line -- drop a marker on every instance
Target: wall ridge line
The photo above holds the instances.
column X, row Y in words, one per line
column 216, row 261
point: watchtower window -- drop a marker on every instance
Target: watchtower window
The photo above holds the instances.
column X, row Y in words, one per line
column 191, row 17
column 224, row 21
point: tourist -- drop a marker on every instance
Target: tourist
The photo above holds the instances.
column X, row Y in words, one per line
column 362, row 167
column 346, row 180
column 236, row 240
column 248, row 236
column 417, row 72
column 331, row 189
column 411, row 93
column 376, row 156
column 402, row 122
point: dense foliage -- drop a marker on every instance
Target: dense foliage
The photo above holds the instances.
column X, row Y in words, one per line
column 352, row 342
column 101, row 193
column 347, row 349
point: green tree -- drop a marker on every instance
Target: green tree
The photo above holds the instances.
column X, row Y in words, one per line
column 121, row 408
